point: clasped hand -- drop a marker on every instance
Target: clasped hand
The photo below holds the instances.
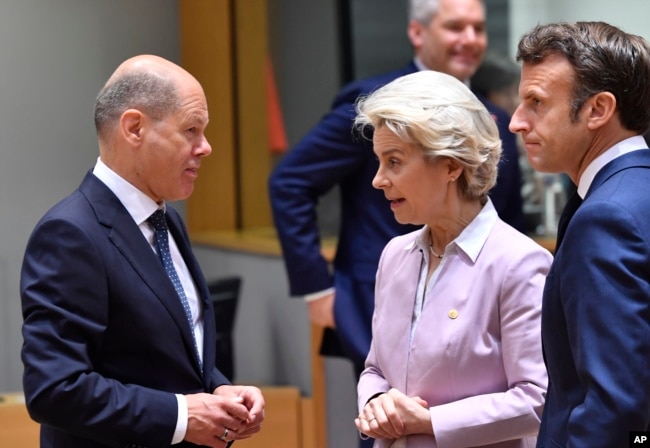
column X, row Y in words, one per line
column 229, row 413
column 393, row 415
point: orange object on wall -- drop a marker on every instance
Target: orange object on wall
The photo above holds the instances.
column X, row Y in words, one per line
column 277, row 136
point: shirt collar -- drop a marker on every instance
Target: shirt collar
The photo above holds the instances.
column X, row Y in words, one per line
column 623, row 147
column 472, row 238
column 420, row 66
column 139, row 205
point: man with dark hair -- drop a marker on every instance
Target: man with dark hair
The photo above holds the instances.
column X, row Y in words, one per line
column 585, row 94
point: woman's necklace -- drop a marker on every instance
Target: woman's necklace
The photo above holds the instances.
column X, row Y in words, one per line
column 435, row 254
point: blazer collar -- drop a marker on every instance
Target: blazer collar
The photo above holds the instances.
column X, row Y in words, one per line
column 623, row 147
column 127, row 238
column 471, row 239
column 640, row 158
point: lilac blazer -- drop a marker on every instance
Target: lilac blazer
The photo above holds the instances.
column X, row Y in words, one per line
column 476, row 354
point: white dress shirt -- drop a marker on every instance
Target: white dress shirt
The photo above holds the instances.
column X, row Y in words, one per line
column 140, row 207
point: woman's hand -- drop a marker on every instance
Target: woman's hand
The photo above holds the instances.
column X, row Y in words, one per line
column 393, row 415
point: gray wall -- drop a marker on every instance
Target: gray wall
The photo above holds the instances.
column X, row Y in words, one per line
column 54, row 57
column 630, row 15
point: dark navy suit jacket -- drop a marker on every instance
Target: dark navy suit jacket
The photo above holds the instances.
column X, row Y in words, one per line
column 332, row 154
column 596, row 314
column 106, row 341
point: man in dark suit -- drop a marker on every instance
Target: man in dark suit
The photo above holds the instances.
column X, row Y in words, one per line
column 585, row 106
column 111, row 356
column 447, row 36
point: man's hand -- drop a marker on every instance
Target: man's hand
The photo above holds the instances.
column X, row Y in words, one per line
column 251, row 397
column 321, row 311
column 210, row 415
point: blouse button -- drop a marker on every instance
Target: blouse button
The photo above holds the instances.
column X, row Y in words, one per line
column 453, row 314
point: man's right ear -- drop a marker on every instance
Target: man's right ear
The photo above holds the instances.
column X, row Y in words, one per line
column 132, row 125
column 414, row 32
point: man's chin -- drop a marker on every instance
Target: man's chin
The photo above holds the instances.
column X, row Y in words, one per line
column 463, row 72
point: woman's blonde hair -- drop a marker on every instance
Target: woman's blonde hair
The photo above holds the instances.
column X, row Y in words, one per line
column 444, row 118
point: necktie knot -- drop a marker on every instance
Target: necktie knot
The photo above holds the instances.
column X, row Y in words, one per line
column 157, row 220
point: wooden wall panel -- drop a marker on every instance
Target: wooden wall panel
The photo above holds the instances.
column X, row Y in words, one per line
column 207, row 52
column 224, row 45
column 17, row 429
column 251, row 31
column 282, row 426
column 319, row 389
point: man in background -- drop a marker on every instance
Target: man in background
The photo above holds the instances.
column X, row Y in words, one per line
column 447, row 36
column 585, row 106
column 119, row 334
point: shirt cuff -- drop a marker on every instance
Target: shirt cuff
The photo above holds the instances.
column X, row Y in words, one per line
column 181, row 423
column 318, row 295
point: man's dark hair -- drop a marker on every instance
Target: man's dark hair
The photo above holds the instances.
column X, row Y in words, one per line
column 604, row 59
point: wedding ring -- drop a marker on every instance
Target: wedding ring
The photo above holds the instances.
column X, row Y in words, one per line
column 225, row 434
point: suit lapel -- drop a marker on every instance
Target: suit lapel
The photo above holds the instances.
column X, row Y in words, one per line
column 129, row 241
column 640, row 158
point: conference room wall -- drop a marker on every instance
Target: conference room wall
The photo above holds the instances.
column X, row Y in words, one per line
column 55, row 55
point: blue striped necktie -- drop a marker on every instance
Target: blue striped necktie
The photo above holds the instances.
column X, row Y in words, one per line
column 159, row 223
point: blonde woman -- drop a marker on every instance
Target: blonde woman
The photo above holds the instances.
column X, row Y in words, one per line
column 455, row 359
